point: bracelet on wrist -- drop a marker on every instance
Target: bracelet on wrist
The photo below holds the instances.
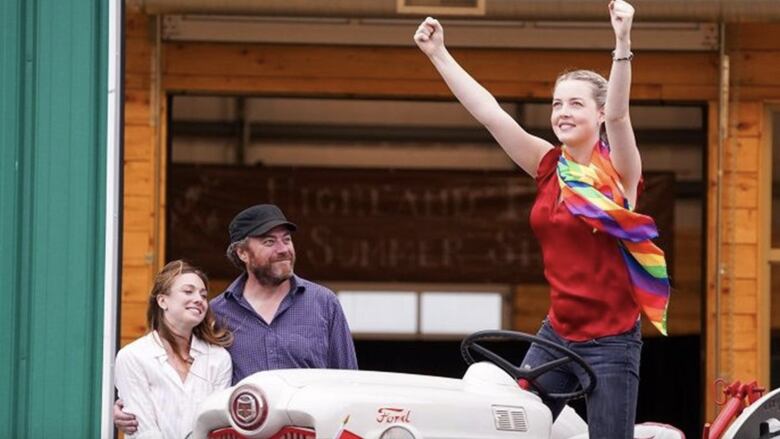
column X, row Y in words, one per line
column 628, row 57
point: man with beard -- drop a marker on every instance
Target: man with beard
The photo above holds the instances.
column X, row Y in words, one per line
column 278, row 320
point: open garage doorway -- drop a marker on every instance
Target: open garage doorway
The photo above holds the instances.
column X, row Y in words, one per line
column 416, row 218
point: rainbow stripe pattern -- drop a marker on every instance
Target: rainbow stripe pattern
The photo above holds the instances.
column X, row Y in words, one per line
column 593, row 194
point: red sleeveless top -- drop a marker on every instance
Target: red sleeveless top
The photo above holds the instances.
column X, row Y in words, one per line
column 590, row 292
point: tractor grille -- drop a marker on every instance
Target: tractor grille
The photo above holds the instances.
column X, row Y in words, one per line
column 284, row 433
column 510, row 418
column 225, row 433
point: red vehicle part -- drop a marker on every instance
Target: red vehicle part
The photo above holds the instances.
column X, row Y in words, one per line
column 737, row 397
column 285, row 433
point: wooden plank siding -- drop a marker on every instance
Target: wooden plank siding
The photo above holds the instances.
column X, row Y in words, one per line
column 404, row 72
column 140, row 181
column 344, row 71
column 741, row 324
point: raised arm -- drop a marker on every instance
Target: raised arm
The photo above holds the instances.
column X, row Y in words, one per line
column 523, row 148
column 625, row 155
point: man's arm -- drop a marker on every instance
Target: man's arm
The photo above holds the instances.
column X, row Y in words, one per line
column 123, row 421
column 341, row 350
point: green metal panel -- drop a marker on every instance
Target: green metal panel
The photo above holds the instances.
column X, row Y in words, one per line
column 52, row 188
column 9, row 219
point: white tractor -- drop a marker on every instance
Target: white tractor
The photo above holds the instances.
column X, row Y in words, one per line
column 487, row 403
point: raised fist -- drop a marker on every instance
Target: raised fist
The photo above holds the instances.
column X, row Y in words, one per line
column 621, row 14
column 429, row 36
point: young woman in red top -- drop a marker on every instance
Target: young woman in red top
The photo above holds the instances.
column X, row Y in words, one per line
column 594, row 310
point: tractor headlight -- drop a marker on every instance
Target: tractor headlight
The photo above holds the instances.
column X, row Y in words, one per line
column 397, row 432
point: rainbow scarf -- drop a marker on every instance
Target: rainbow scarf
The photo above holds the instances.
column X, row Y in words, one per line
column 593, row 194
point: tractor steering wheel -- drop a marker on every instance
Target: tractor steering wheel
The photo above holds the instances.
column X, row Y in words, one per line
column 470, row 345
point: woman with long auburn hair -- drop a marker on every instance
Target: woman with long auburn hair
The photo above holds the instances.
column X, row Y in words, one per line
column 164, row 375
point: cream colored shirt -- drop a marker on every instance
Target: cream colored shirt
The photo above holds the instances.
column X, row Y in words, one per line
column 153, row 391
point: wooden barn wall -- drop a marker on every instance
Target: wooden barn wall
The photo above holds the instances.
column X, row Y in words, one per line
column 343, row 71
column 737, row 314
column 335, row 71
column 141, row 175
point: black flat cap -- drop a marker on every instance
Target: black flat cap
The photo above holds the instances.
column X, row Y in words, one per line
column 257, row 220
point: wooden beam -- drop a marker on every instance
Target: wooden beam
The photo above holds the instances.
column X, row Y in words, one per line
column 399, row 133
column 405, row 72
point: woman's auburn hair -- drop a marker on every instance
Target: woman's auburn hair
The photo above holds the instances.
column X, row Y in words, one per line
column 206, row 330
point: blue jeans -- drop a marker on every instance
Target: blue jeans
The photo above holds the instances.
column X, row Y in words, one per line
column 615, row 360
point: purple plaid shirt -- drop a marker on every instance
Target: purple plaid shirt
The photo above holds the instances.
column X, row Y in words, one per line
column 308, row 331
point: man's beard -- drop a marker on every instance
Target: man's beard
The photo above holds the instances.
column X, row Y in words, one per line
column 266, row 274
